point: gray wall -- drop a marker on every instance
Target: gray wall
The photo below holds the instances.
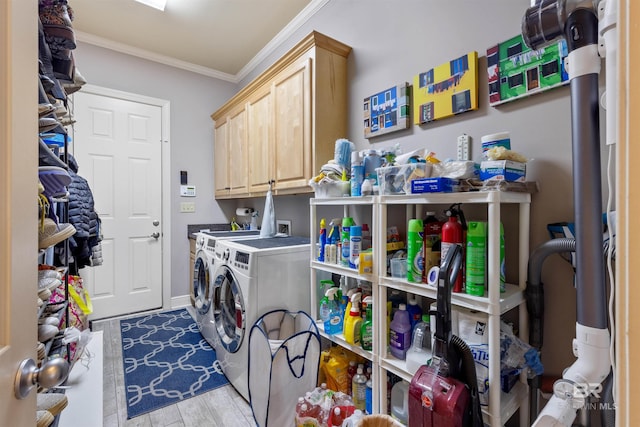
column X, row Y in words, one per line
column 390, row 45
column 193, row 98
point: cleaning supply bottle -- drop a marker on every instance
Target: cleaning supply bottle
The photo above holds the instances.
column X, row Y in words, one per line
column 353, row 322
column 400, row 401
column 366, row 237
column 351, row 371
column 322, row 240
column 420, row 351
column 476, row 258
column 415, row 312
column 452, row 233
column 415, row 260
column 347, row 293
column 331, row 312
column 347, row 222
column 357, row 173
column 355, row 245
column 359, row 389
column 400, row 333
column 366, row 330
column 431, row 243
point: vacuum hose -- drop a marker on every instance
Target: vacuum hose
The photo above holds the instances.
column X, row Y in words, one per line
column 468, row 371
column 535, row 302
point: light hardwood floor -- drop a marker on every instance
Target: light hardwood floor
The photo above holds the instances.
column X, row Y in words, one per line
column 220, row 407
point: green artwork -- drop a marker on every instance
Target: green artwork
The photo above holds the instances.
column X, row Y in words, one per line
column 515, row 70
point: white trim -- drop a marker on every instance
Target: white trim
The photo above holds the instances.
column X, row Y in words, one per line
column 181, row 301
column 306, row 13
column 166, row 174
column 152, row 56
column 311, row 9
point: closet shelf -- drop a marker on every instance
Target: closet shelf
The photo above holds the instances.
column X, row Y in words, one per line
column 339, row 339
column 511, row 298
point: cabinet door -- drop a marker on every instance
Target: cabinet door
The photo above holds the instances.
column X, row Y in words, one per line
column 292, row 137
column 260, row 141
column 220, row 160
column 237, row 154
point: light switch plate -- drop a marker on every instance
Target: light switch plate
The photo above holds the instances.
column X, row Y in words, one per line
column 188, row 207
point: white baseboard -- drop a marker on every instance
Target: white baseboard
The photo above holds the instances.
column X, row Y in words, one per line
column 180, row 302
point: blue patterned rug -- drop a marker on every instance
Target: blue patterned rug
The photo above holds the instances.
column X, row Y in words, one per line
column 166, row 360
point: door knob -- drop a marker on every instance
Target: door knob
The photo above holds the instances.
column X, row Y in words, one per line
column 52, row 373
column 155, row 235
column 156, row 222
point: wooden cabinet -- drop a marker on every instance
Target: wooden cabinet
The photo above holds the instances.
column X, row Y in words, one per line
column 260, row 139
column 230, row 154
column 293, row 114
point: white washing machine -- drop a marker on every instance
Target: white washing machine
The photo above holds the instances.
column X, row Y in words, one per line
column 253, row 277
column 204, row 268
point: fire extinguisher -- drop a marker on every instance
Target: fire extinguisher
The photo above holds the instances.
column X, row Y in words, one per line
column 453, row 233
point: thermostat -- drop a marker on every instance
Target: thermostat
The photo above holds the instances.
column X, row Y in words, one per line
column 188, row 190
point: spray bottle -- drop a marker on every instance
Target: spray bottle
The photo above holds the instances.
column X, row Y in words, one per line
column 347, row 222
column 322, row 240
column 366, row 330
column 415, row 260
column 476, row 258
column 331, row 312
column 353, row 321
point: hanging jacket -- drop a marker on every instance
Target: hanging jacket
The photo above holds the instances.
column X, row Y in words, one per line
column 82, row 216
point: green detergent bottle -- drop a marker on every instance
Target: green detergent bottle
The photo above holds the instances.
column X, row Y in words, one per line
column 366, row 329
column 415, row 256
column 476, row 257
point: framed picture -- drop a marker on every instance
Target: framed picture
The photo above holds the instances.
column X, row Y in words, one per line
column 446, row 90
column 515, row 71
column 387, row 111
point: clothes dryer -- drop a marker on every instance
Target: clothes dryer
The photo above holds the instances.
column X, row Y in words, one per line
column 204, row 268
column 253, row 277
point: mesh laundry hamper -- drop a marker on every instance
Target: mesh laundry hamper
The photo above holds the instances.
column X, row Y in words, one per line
column 284, row 355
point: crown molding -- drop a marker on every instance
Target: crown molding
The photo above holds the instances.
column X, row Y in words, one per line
column 152, row 56
column 306, row 13
column 311, row 9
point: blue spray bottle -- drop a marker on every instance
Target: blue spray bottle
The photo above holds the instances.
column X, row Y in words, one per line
column 330, row 312
column 322, row 239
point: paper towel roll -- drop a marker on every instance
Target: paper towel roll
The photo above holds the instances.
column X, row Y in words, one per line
column 244, row 211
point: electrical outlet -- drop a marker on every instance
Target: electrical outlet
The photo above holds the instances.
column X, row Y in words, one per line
column 464, row 147
column 189, row 207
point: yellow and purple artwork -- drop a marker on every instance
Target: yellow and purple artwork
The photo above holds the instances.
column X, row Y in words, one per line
column 448, row 89
column 387, row 111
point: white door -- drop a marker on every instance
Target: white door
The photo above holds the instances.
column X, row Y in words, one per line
column 18, row 203
column 118, row 147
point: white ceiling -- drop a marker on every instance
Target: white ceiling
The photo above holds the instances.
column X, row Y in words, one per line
column 219, row 38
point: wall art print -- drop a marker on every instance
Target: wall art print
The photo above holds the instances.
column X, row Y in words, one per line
column 515, row 70
column 387, row 111
column 448, row 89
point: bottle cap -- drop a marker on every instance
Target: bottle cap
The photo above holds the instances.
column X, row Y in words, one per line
column 426, row 318
column 402, row 307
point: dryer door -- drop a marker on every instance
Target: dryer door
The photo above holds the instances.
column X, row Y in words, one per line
column 201, row 284
column 228, row 309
